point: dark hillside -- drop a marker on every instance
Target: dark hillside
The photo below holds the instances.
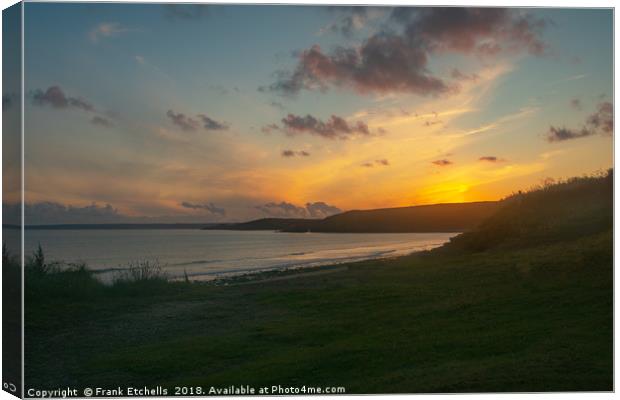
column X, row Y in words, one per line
column 567, row 210
column 455, row 217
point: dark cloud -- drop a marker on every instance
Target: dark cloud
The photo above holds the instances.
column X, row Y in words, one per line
column 334, row 128
column 183, row 121
column 576, row 104
column 471, row 30
column 288, row 210
column 56, row 213
column 603, row 118
column 382, row 163
column 560, row 134
column 188, row 123
column 55, row 97
column 398, row 62
column 489, row 159
column 600, row 122
column 384, row 63
column 293, row 153
column 442, row 163
column 101, row 121
column 209, row 207
column 211, row 124
column 49, row 212
column 187, row 12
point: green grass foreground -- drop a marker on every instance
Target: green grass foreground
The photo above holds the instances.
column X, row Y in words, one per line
column 524, row 303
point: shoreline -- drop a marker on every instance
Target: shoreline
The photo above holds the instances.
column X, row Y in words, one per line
column 293, row 268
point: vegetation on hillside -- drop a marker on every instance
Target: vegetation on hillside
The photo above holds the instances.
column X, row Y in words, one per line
column 551, row 212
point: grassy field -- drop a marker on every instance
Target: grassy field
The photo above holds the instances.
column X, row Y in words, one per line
column 513, row 315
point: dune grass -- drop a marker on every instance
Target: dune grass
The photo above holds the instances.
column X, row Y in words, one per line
column 520, row 313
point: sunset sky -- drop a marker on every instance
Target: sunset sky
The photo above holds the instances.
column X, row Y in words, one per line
column 227, row 113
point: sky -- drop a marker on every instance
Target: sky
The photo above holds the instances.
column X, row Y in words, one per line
column 194, row 113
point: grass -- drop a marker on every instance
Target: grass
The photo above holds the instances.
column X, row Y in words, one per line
column 515, row 315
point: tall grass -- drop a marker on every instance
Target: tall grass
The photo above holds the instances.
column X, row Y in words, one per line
column 53, row 281
column 141, row 271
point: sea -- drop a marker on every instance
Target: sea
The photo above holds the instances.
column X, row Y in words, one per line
column 209, row 254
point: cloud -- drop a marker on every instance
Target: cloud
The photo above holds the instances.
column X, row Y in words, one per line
column 471, row 30
column 55, row 97
column 491, row 159
column 105, row 30
column 50, row 212
column 384, row 63
column 283, row 210
column 334, row 128
column 350, row 19
column 293, row 153
column 101, row 121
column 183, row 121
column 211, row 124
column 442, row 163
column 209, row 207
column 288, row 210
column 189, row 124
column 321, row 209
column 458, row 75
column 399, row 62
column 270, row 128
column 187, row 12
column 382, row 163
column 600, row 122
column 56, row 213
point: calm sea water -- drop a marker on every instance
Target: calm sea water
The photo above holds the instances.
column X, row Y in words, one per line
column 208, row 254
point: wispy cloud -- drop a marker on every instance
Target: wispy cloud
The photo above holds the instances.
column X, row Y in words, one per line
column 106, row 30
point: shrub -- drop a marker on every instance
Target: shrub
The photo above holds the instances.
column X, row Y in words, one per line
column 141, row 271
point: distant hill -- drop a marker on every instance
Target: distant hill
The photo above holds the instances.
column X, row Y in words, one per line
column 453, row 217
column 110, row 226
column 266, row 224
